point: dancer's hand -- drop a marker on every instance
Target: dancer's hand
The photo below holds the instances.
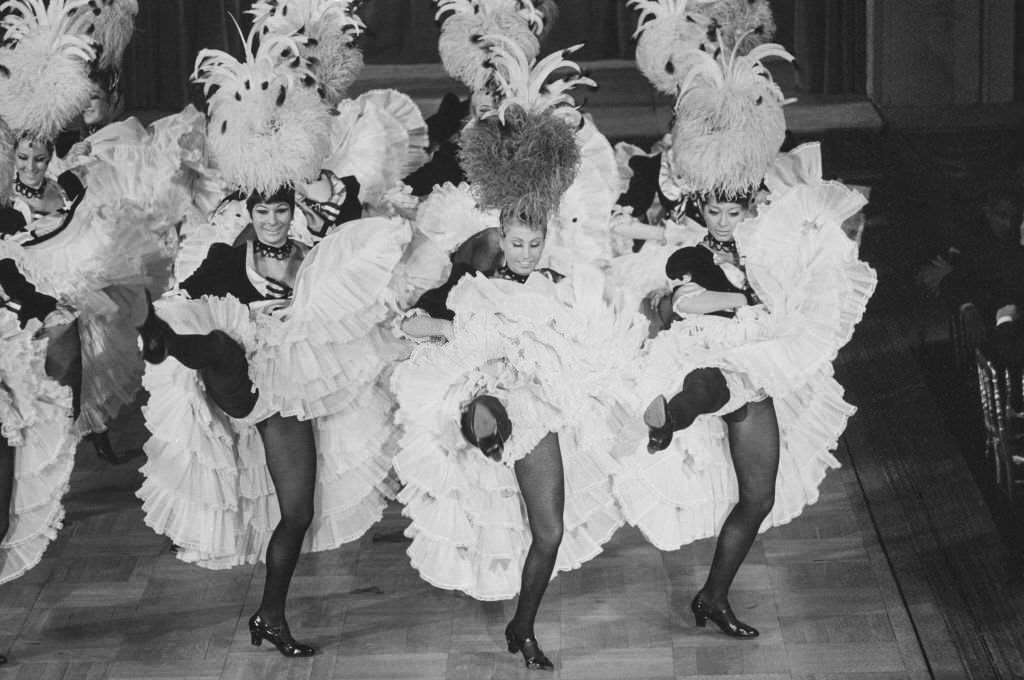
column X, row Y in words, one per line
column 79, row 149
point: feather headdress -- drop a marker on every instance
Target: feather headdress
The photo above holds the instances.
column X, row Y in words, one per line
column 518, row 81
column 729, row 122
column 465, row 22
column 741, row 23
column 326, row 31
column 522, row 156
column 667, row 33
column 268, row 125
column 114, row 22
column 45, row 63
column 8, row 144
column 549, row 12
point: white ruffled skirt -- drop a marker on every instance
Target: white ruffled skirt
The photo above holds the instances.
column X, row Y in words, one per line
column 120, row 241
column 558, row 358
column 35, row 415
column 207, row 485
column 807, row 272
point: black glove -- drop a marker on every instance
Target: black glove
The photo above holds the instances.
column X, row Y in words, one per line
column 29, row 303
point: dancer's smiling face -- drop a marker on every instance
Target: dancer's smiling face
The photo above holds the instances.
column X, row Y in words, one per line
column 522, row 246
column 722, row 217
column 31, row 159
column 272, row 221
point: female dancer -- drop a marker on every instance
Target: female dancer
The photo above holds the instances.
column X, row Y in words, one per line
column 753, row 341
column 36, row 442
column 509, row 424
column 276, row 357
column 93, row 250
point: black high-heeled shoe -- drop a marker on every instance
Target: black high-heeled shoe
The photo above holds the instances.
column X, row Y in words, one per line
column 154, row 332
column 723, row 618
column 659, row 436
column 532, row 655
column 485, row 424
column 279, row 636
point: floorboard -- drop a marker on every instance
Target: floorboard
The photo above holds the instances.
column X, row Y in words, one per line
column 896, row 573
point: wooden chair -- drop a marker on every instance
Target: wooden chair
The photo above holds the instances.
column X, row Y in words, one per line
column 1004, row 427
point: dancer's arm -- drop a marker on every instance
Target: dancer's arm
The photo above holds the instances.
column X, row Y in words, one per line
column 692, row 299
column 422, row 326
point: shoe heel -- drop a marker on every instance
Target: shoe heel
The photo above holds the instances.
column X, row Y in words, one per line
column 513, row 646
column 257, row 639
column 700, row 621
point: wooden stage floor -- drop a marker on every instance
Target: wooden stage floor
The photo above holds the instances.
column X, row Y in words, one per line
column 897, row 573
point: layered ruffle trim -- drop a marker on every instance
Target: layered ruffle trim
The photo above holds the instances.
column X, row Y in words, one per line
column 208, row 488
column 685, row 492
column 557, row 356
column 35, row 413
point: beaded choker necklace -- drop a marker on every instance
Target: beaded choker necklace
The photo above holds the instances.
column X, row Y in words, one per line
column 720, row 246
column 504, row 272
column 29, row 192
column 273, row 252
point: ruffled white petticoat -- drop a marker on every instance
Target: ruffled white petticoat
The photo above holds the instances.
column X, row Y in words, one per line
column 560, row 359
column 581, row 233
column 807, row 272
column 35, row 413
column 325, row 358
column 120, row 241
column 378, row 138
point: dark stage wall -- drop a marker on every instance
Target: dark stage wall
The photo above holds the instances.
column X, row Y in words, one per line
column 827, row 36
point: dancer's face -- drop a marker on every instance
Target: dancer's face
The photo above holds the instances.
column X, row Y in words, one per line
column 722, row 217
column 31, row 160
column 522, row 247
column 100, row 109
column 272, row 222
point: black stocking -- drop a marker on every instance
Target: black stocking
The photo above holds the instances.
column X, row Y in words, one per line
column 754, row 442
column 291, row 457
column 543, row 488
column 221, row 364
column 704, row 391
column 6, row 485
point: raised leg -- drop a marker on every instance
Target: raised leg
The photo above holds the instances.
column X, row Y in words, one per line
column 704, row 391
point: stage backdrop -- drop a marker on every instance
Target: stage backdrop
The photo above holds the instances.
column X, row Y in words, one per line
column 827, row 36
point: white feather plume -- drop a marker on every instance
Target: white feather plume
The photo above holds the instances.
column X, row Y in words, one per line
column 8, row 144
column 326, row 31
column 44, row 64
column 668, row 31
column 729, row 121
column 114, row 22
column 519, row 80
column 465, row 22
column 289, row 16
column 268, row 126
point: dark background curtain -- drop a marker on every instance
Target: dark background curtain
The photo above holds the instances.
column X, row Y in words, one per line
column 827, row 36
column 1018, row 51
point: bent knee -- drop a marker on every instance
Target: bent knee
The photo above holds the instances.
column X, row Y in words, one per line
column 297, row 519
column 548, row 537
column 760, row 505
